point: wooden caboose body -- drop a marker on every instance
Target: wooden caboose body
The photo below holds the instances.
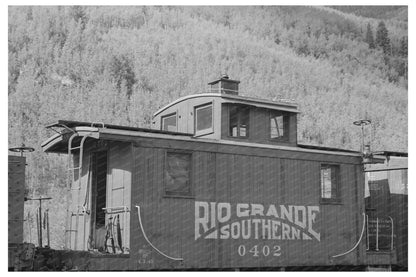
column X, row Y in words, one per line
column 220, row 182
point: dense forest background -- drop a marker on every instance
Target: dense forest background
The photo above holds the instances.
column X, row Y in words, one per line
column 118, row 65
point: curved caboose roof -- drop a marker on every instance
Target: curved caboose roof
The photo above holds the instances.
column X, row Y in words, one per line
column 237, row 99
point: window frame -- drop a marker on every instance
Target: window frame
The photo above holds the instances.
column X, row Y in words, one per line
column 191, row 187
column 286, row 125
column 169, row 115
column 208, row 130
column 239, row 108
column 337, row 198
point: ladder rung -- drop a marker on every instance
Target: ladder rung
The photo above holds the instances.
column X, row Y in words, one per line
column 73, row 168
column 75, row 214
column 73, row 148
column 71, row 231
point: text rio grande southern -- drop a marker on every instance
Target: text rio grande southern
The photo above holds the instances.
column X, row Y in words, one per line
column 255, row 221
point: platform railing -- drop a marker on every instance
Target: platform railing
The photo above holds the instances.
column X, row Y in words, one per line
column 378, row 230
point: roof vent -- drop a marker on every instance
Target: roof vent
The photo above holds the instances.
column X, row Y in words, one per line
column 224, row 85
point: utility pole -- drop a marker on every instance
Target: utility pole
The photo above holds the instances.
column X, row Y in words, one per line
column 39, row 223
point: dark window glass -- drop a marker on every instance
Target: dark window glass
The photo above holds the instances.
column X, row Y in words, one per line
column 99, row 200
column 330, row 183
column 169, row 123
column 177, row 173
column 239, row 121
column 203, row 117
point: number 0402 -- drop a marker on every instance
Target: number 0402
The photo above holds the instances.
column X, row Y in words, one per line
column 257, row 251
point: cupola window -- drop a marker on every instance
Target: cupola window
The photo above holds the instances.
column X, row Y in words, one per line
column 239, row 121
column 203, row 119
column 279, row 122
column 169, row 123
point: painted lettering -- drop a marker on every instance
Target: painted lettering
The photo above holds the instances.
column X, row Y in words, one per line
column 255, row 221
column 302, row 221
column 201, row 221
column 224, row 212
column 312, row 211
column 241, row 212
column 257, row 209
column 272, row 211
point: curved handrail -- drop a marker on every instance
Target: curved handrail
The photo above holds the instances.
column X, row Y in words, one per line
column 392, row 233
column 154, row 247
column 358, row 242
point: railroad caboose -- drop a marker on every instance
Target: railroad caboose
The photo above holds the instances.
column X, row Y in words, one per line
column 219, row 182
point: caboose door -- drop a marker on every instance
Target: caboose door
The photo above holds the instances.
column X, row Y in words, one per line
column 98, row 201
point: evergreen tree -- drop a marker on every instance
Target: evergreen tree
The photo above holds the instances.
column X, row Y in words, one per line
column 382, row 38
column 369, row 38
column 403, row 47
column 121, row 70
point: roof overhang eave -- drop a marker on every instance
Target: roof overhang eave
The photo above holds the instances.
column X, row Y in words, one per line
column 58, row 143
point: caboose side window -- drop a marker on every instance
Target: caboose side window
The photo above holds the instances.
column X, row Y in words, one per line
column 239, row 121
column 330, row 183
column 169, row 123
column 178, row 174
column 279, row 125
column 203, row 119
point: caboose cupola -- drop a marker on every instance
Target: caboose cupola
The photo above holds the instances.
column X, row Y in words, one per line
column 223, row 114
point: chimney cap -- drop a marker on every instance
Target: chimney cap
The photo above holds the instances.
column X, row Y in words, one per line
column 224, row 77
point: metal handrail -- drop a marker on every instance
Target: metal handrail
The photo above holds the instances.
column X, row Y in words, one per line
column 368, row 237
column 392, row 232
column 377, row 234
column 358, row 242
column 148, row 241
column 116, row 210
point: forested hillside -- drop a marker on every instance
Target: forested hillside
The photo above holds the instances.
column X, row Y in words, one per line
column 118, row 65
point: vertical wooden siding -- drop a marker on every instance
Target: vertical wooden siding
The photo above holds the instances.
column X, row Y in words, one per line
column 232, row 178
column 16, row 192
